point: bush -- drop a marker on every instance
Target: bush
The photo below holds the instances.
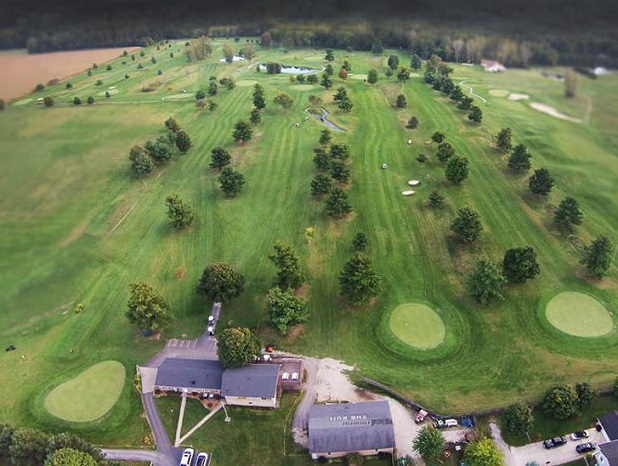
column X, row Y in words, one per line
column 69, row 85
column 77, row 101
column 90, row 100
column 108, row 67
column 39, row 87
column 48, row 101
column 422, row 158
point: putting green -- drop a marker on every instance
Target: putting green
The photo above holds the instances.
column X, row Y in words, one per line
column 578, row 314
column 417, row 325
column 88, row 396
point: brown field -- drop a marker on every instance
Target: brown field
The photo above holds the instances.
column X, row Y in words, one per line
column 21, row 72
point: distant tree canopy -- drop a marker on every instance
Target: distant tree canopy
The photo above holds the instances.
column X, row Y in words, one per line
column 393, row 62
column 220, row 282
column 237, row 347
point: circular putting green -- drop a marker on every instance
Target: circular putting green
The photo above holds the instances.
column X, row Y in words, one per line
column 578, row 314
column 417, row 325
column 89, row 395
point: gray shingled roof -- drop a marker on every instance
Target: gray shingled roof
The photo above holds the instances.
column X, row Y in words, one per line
column 610, row 451
column 350, row 427
column 190, row 373
column 610, row 424
column 256, row 380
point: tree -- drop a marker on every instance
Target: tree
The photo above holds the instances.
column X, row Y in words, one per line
column 248, row 51
column 415, row 62
column 107, row 95
column 568, row 214
column 200, row 95
column 198, row 49
column 321, row 159
column 228, row 52
column 339, row 171
column 597, row 257
column 213, row 88
column 337, row 204
column 321, row 185
column 325, row 136
column 467, row 226
column 228, row 83
column 48, row 101
column 436, row 199
column 329, row 55
column 329, row 70
column 372, row 76
column 39, row 87
column 172, row 124
column 183, row 142
column 340, row 152
column 220, row 282
column 456, row 94
column 343, row 74
column 359, row 281
column 180, row 213
column 393, row 62
column 147, row 309
column 285, row 309
column 518, row 418
column 520, row 264
column 231, row 182
column 360, row 241
column 429, row 442
column 77, row 100
column 287, row 261
column 485, row 283
column 376, row 47
column 255, row 118
column 503, row 139
column 312, row 79
column 90, row 100
column 2, row 104
column 456, row 169
column 70, row 457
column 401, row 101
column 160, row 150
column 6, row 434
column 284, row 100
column 69, row 440
column 519, row 159
column 220, row 158
column 571, row 83
column 141, row 162
column 445, row 151
column 585, row 394
column 438, row 137
column 237, row 347
column 242, row 131
column 465, row 103
column 483, row 452
column 326, row 81
column 412, row 123
column 541, row 182
column 560, row 402
column 403, row 75
column 346, row 66
column 475, row 114
column 259, row 101
column 346, row 104
column 29, row 447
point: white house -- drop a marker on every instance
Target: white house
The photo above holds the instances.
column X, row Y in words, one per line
column 493, row 66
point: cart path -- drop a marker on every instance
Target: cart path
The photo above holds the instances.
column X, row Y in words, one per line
column 463, row 83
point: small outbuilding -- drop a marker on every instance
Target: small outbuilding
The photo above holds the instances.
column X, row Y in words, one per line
column 493, row 66
column 337, row 430
column 254, row 385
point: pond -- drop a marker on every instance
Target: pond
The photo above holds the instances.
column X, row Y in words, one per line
column 286, row 69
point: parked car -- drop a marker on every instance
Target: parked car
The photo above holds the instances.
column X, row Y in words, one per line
column 285, row 376
column 187, row 457
column 555, row 442
column 295, row 375
column 579, row 434
column 211, row 320
column 585, row 447
column 420, row 417
column 203, row 459
column 211, row 330
column 443, row 423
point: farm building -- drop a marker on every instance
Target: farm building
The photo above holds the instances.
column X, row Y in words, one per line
column 189, row 376
column 254, row 385
column 493, row 66
column 336, row 430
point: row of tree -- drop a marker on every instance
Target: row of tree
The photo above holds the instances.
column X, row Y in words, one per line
column 455, row 167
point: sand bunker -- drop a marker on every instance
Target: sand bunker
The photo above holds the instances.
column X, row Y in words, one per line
column 498, row 92
column 553, row 112
column 414, row 182
column 408, row 193
column 515, row 96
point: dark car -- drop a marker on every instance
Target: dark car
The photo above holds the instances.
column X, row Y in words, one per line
column 585, row 447
column 579, row 434
column 554, row 442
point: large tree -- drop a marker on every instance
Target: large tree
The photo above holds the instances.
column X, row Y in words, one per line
column 146, row 307
column 220, row 282
column 519, row 160
column 467, row 226
column 475, row 114
column 325, row 136
column 520, row 264
column 231, row 181
column 321, row 185
column 69, row 440
column 284, row 100
column 415, row 62
column 403, row 75
column 401, row 101
column 456, row 169
column 372, row 76
column 585, row 394
column 237, row 347
column 337, row 204
column 568, row 214
column 220, row 158
column 359, row 281
column 597, row 257
column 483, row 452
column 29, row 447
column 228, row 52
column 541, row 182
column 438, row 137
column 285, row 309
column 518, row 418
column 393, row 62
column 503, row 139
column 6, row 434
column 486, row 281
column 179, row 212
column 70, row 457
column 290, row 274
column 160, row 150
column 339, row 171
column 445, row 150
column 141, row 162
column 248, row 51
column 561, row 402
column 183, row 142
column 199, row 49
column 429, row 442
column 259, row 100
column 242, row 131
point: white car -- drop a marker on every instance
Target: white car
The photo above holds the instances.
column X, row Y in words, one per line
column 211, row 330
column 187, row 457
column 202, row 459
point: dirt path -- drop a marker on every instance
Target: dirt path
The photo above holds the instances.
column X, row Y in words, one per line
column 471, row 90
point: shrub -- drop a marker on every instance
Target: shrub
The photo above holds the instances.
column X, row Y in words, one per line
column 77, row 101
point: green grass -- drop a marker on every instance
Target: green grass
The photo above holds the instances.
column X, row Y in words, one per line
column 417, row 325
column 89, row 395
column 579, row 314
column 77, row 228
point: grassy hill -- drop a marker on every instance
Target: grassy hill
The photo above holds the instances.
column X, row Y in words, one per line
column 78, row 228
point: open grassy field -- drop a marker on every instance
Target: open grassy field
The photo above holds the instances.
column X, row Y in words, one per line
column 77, row 228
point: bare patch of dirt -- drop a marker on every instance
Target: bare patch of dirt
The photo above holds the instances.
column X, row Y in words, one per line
column 303, row 291
column 181, row 273
column 295, row 332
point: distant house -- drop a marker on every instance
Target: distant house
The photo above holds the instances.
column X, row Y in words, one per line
column 254, row 385
column 600, row 71
column 336, row 430
column 492, row 66
column 607, row 454
column 189, row 376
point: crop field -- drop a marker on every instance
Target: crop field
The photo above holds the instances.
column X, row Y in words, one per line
column 78, row 228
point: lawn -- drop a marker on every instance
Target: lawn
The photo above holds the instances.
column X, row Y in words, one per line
column 77, row 228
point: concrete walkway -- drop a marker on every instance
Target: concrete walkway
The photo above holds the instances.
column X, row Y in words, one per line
column 496, row 433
